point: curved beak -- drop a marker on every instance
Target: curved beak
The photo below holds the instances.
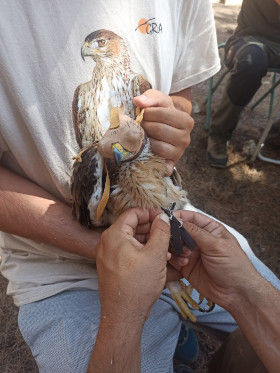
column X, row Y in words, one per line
column 119, row 153
column 85, row 51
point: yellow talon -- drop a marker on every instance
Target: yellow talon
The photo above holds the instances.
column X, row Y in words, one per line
column 181, row 293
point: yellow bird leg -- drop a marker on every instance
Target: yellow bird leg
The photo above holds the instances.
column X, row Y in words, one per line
column 181, row 293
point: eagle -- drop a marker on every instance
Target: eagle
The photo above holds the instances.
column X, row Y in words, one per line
column 113, row 82
column 116, row 169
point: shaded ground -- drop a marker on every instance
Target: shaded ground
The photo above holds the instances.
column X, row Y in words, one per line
column 243, row 196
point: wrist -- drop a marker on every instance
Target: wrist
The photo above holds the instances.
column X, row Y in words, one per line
column 121, row 315
column 245, row 296
column 182, row 100
column 115, row 321
column 122, row 352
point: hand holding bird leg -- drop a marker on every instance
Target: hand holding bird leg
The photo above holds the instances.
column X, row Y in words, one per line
column 214, row 266
column 168, row 127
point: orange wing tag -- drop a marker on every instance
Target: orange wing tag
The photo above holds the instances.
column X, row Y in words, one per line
column 105, row 196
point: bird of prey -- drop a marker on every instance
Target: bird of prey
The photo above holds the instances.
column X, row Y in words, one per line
column 116, row 168
column 113, row 82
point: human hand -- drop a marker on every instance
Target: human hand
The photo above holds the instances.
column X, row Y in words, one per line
column 168, row 128
column 218, row 267
column 131, row 276
column 142, row 234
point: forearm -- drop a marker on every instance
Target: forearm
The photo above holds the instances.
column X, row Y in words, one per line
column 31, row 212
column 117, row 348
column 257, row 314
column 183, row 100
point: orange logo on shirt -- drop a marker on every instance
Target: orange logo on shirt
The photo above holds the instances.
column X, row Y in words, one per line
column 149, row 26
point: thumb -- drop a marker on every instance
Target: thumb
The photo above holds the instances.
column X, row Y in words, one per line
column 153, row 98
column 159, row 235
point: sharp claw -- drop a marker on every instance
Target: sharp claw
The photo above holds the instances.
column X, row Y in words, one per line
column 178, row 290
column 210, row 305
column 181, row 293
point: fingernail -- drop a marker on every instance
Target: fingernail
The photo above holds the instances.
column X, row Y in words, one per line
column 165, row 218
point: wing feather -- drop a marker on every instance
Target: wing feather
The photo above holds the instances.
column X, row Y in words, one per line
column 140, row 85
column 85, row 182
column 77, row 113
column 84, row 115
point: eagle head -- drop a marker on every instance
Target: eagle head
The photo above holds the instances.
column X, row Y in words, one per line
column 104, row 44
column 124, row 140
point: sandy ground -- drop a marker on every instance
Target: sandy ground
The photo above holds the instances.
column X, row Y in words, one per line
column 243, row 196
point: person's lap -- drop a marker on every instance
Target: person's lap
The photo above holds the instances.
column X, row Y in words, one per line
column 61, row 330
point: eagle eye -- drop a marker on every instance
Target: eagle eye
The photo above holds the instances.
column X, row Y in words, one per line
column 101, row 42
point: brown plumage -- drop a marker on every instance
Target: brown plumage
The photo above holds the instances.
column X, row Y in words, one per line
column 137, row 176
column 112, row 83
column 138, row 181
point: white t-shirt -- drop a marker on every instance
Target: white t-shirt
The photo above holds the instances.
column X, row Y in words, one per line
column 171, row 42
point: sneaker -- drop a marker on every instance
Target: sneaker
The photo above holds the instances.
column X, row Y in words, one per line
column 217, row 152
column 187, row 348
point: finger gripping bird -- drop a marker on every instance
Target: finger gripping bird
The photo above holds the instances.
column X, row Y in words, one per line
column 116, row 168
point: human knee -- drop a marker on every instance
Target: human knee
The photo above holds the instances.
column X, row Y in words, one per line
column 251, row 61
column 249, row 69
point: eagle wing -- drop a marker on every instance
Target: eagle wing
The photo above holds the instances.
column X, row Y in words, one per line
column 87, row 188
column 84, row 115
column 140, row 85
column 78, row 112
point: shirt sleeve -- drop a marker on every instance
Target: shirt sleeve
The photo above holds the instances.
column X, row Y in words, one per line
column 197, row 57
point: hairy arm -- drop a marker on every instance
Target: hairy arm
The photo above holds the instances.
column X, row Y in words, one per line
column 117, row 348
column 256, row 309
column 183, row 100
column 31, row 212
column 126, row 269
column 220, row 270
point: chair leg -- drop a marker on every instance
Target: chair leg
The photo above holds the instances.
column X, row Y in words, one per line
column 268, row 126
column 270, row 91
column 212, row 88
column 272, row 94
column 209, row 103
